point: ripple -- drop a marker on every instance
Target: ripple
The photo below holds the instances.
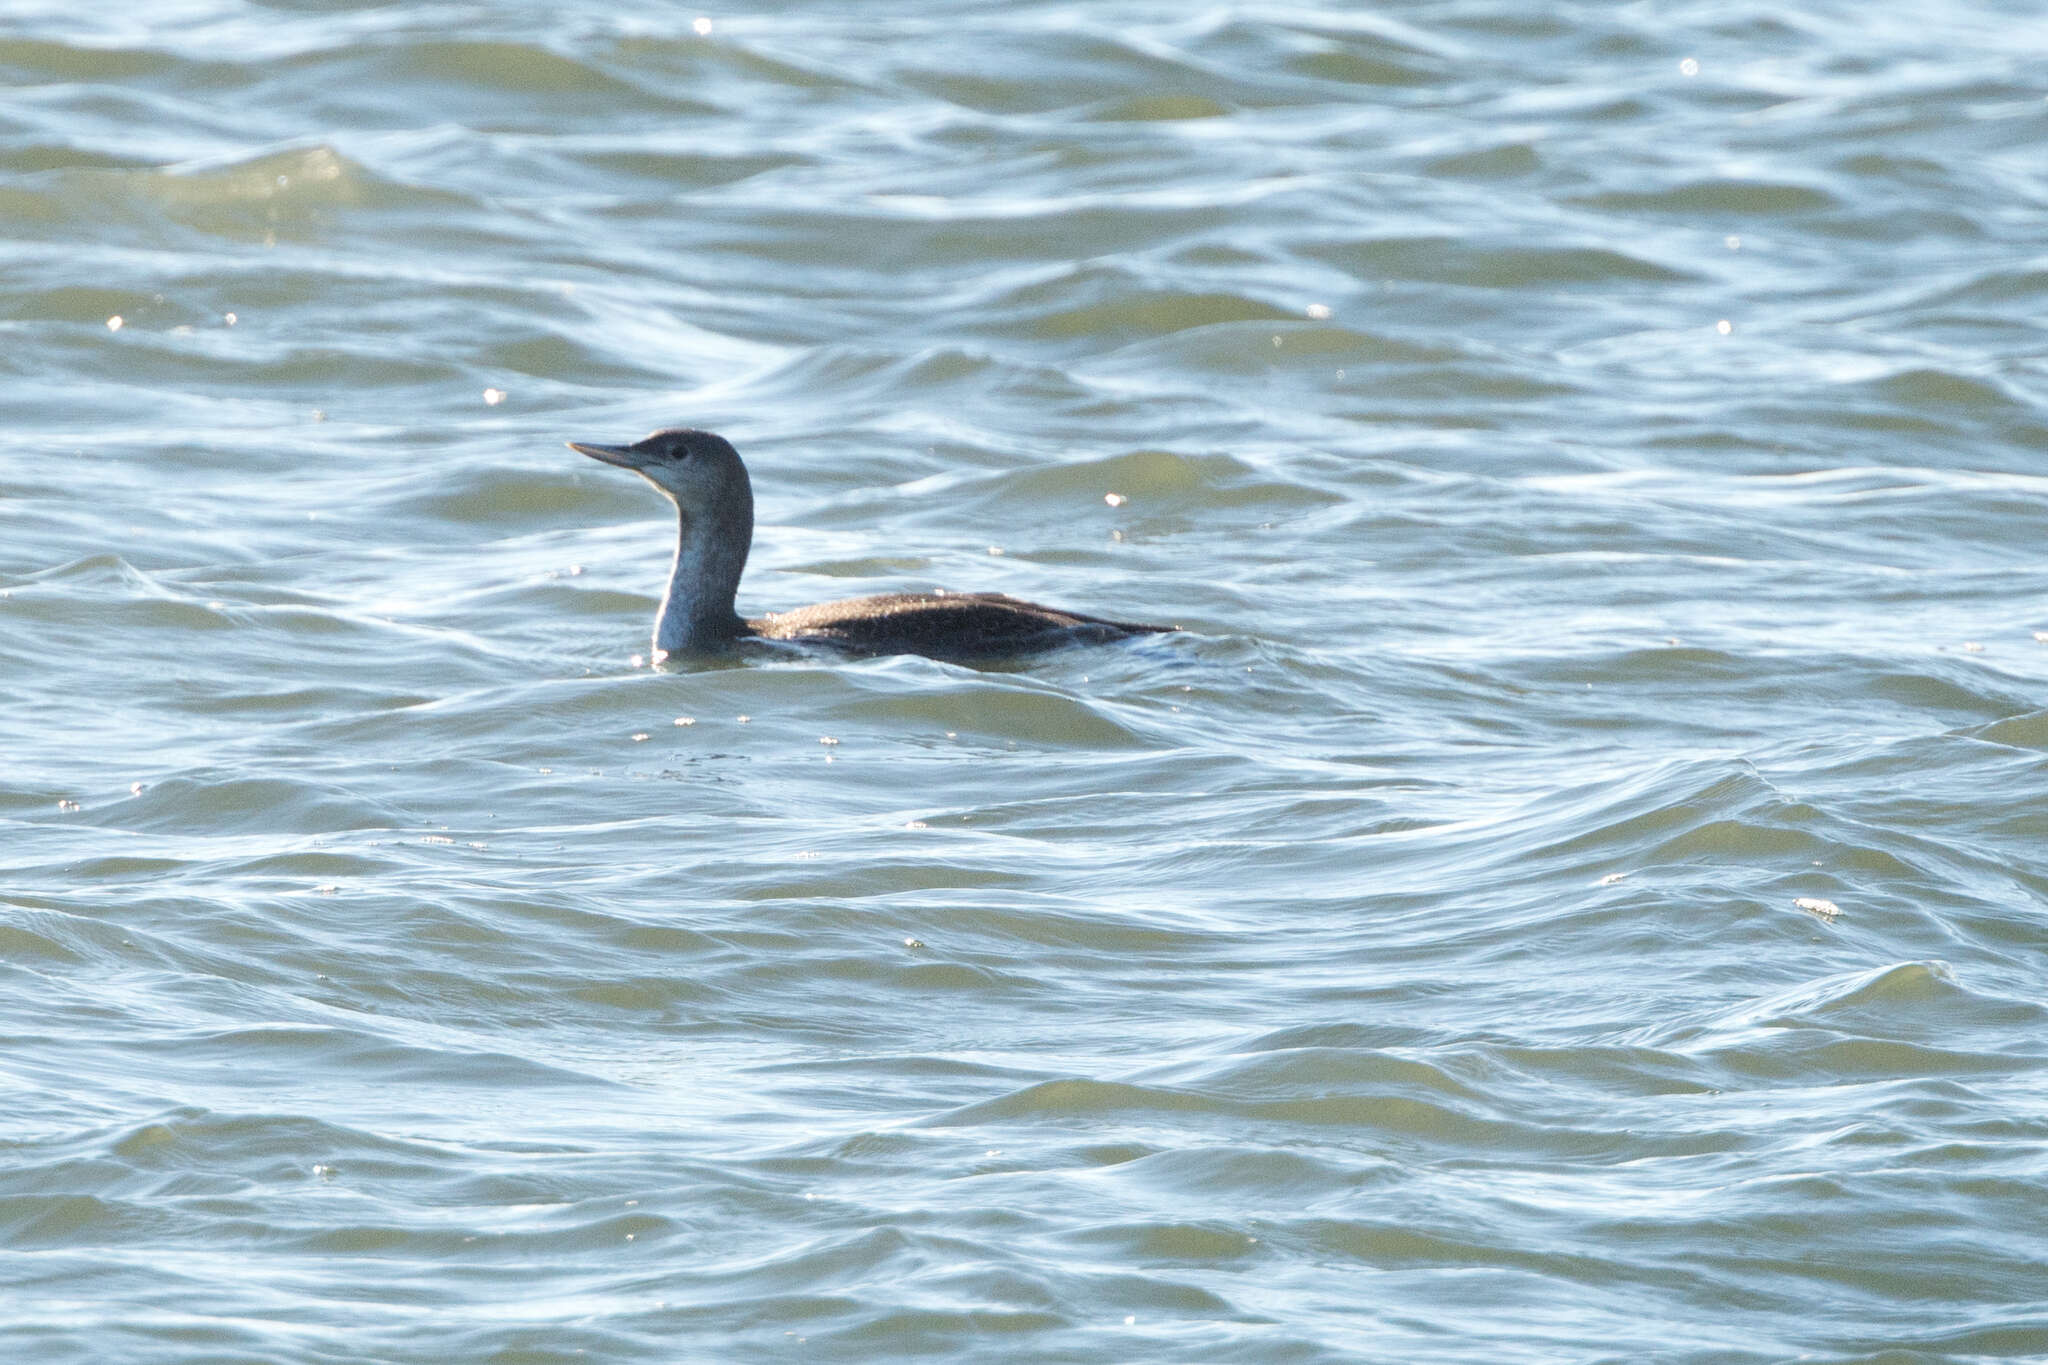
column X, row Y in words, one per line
column 1749, row 198
column 1407, row 960
column 226, row 803
column 1493, row 265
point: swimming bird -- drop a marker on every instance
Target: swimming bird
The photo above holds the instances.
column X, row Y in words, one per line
column 702, row 474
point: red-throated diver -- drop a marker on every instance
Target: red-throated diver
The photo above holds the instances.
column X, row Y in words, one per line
column 702, row 474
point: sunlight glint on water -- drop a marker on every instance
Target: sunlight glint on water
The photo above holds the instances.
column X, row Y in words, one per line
column 1572, row 890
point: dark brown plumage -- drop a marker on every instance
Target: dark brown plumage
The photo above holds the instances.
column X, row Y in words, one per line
column 705, row 478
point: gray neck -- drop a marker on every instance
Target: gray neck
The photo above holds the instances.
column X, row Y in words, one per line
column 697, row 611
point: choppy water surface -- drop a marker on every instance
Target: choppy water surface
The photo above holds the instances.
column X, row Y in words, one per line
column 1574, row 890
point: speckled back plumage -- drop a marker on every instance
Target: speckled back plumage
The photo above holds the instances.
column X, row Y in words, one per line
column 975, row 625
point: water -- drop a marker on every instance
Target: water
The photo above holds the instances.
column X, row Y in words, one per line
column 1573, row 891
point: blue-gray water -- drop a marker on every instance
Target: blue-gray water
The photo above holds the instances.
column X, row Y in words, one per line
column 1575, row 890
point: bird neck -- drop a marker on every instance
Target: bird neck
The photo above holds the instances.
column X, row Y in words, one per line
column 711, row 551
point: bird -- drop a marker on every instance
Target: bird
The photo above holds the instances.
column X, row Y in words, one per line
column 703, row 476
